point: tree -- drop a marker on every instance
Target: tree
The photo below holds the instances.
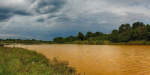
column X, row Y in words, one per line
column 142, row 32
column 81, row 36
column 148, row 36
column 89, row 34
column 124, row 27
column 58, row 40
column 127, row 27
column 148, row 31
column 125, row 36
column 70, row 39
column 114, row 36
column 98, row 34
column 139, row 33
column 137, row 24
column 124, row 33
column 32, row 39
column 135, row 34
column 148, row 28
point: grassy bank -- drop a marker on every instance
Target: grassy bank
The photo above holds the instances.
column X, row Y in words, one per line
column 20, row 61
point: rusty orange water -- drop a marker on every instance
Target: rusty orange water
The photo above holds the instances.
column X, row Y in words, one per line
column 100, row 59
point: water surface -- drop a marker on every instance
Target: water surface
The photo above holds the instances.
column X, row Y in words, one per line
column 100, row 59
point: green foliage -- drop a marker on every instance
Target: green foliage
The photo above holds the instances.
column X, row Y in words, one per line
column 89, row 34
column 142, row 32
column 138, row 31
column 148, row 36
column 18, row 61
column 89, row 38
column 21, row 41
column 124, row 27
column 114, row 36
column 59, row 40
column 70, row 39
column 81, row 36
column 124, row 35
column 1, row 45
column 137, row 24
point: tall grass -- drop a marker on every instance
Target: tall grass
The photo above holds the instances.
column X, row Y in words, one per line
column 14, row 61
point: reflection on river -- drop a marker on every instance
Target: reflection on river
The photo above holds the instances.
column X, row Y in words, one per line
column 100, row 59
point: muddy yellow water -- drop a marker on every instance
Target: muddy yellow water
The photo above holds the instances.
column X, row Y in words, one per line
column 100, row 59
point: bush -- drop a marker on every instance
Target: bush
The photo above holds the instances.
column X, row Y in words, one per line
column 1, row 45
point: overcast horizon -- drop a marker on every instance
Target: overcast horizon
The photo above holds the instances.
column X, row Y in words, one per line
column 46, row 19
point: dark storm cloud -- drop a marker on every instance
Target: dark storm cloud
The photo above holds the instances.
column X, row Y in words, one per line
column 40, row 20
column 6, row 13
column 49, row 6
column 52, row 16
column 23, row 13
column 4, row 17
column 39, row 6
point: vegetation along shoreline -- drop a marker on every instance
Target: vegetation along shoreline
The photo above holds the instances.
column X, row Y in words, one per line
column 16, row 61
column 137, row 34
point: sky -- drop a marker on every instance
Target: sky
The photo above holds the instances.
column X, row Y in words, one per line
column 46, row 19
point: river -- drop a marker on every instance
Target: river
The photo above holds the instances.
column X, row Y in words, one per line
column 100, row 59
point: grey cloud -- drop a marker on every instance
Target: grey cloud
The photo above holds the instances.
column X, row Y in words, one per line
column 6, row 13
column 23, row 13
column 52, row 16
column 4, row 17
column 46, row 19
column 128, row 2
column 42, row 7
column 49, row 6
column 40, row 20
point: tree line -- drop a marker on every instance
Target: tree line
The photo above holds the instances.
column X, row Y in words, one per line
column 23, row 41
column 125, row 33
column 81, row 37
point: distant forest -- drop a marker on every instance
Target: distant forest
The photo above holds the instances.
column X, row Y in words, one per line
column 21, row 41
column 125, row 33
column 138, row 33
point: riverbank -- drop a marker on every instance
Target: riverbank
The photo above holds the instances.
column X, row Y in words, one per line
column 86, row 42
column 106, row 42
column 137, row 42
column 16, row 61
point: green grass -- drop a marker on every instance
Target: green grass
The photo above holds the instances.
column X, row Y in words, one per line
column 19, row 61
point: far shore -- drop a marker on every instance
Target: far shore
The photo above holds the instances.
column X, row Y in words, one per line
column 91, row 43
